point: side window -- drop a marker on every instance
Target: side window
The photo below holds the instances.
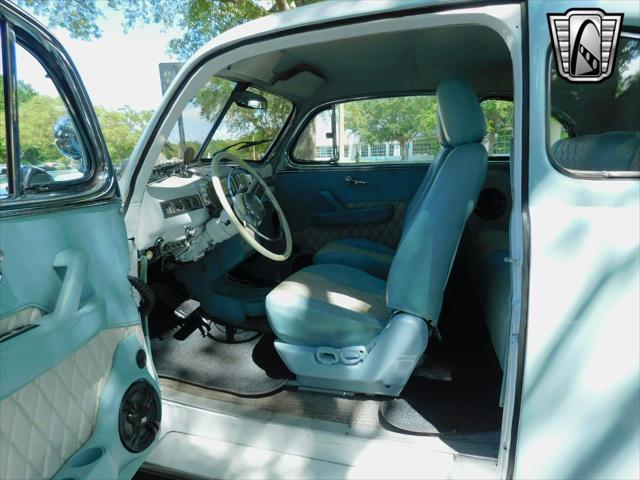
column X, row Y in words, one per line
column 49, row 148
column 374, row 131
column 499, row 117
column 604, row 117
column 48, row 151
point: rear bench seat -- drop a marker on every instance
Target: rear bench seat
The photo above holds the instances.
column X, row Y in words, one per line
column 487, row 242
column 611, row 151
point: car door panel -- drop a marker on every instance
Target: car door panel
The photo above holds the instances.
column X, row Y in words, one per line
column 79, row 397
column 322, row 205
column 63, row 380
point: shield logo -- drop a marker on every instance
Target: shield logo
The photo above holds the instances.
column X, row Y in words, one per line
column 585, row 42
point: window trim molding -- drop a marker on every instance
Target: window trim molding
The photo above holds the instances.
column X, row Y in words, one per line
column 7, row 44
column 627, row 32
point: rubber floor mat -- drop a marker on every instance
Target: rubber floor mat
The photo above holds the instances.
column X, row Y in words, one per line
column 246, row 369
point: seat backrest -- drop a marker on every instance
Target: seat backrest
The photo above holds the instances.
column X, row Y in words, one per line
column 427, row 181
column 426, row 251
column 611, row 151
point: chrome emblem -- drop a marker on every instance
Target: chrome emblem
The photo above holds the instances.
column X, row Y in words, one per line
column 585, row 42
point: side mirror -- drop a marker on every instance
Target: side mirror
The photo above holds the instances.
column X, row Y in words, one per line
column 68, row 141
column 250, row 100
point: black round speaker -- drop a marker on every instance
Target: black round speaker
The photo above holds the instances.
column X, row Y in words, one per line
column 491, row 205
column 139, row 418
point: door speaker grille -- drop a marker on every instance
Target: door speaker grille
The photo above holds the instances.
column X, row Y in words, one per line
column 139, row 418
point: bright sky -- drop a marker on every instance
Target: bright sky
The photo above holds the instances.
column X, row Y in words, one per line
column 117, row 69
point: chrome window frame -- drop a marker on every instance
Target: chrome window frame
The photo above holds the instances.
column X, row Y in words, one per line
column 99, row 184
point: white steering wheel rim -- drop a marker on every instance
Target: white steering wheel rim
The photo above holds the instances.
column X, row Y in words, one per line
column 216, row 173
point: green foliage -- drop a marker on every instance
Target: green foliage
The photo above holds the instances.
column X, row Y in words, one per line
column 241, row 124
column 78, row 17
column 122, row 129
column 400, row 119
column 27, row 105
column 201, row 20
column 498, row 115
column 38, row 114
column 36, row 117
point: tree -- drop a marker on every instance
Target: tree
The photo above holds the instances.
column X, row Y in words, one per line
column 396, row 119
column 201, row 20
column 122, row 129
column 25, row 94
column 498, row 116
column 38, row 114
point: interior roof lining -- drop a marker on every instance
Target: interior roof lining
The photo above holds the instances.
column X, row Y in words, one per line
column 413, row 60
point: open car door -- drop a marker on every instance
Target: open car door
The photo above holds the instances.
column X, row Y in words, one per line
column 79, row 397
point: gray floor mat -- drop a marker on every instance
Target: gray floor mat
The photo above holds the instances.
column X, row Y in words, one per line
column 249, row 369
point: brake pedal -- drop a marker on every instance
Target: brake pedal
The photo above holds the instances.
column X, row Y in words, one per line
column 186, row 308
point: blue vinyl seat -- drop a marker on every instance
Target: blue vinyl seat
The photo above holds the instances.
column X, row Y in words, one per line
column 369, row 255
column 342, row 329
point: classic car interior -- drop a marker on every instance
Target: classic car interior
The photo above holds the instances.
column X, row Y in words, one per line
column 330, row 227
column 295, row 272
column 365, row 285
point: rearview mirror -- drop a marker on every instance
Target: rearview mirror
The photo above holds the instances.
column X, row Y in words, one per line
column 250, row 100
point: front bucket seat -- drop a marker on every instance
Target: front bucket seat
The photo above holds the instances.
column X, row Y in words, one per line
column 341, row 329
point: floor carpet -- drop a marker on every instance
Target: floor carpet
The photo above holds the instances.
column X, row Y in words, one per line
column 465, row 396
column 247, row 369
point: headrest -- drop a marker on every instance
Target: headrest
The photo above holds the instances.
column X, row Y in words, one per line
column 460, row 113
column 442, row 140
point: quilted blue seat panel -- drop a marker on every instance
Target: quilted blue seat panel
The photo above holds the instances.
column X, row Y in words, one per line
column 367, row 255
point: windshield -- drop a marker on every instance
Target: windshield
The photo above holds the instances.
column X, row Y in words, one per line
column 195, row 122
column 249, row 133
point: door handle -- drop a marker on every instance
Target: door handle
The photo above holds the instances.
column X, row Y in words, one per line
column 352, row 181
column 76, row 264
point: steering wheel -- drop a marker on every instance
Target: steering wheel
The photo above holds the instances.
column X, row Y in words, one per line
column 246, row 210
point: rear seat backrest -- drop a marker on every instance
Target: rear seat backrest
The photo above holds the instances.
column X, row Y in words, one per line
column 611, row 151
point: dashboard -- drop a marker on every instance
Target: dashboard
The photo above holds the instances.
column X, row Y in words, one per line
column 181, row 216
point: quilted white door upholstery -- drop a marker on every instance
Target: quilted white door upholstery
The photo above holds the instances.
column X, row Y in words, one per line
column 46, row 421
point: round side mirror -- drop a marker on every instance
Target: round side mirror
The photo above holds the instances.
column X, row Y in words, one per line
column 68, row 142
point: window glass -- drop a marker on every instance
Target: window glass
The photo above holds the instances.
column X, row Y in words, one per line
column 601, row 121
column 196, row 121
column 50, row 151
column 251, row 131
column 380, row 130
column 498, row 115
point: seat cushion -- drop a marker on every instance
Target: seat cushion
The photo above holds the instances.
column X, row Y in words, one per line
column 328, row 305
column 367, row 255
